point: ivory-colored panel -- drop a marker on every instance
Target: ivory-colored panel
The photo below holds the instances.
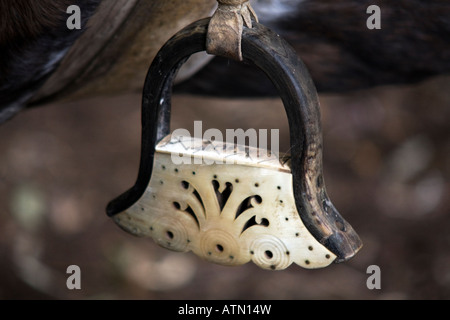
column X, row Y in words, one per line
column 228, row 214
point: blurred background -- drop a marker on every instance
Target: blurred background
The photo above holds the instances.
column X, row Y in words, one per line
column 386, row 166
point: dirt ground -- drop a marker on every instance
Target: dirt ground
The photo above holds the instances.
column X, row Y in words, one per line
column 387, row 170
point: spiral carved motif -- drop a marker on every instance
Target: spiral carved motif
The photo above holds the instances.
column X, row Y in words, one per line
column 269, row 252
column 220, row 247
column 170, row 233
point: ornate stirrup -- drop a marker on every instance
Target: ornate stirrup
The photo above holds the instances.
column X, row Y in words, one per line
column 259, row 208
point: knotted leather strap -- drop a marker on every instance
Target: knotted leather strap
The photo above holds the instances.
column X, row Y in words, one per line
column 226, row 26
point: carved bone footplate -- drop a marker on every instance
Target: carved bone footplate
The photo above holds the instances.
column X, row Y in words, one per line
column 227, row 213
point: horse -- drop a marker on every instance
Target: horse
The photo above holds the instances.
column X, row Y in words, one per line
column 43, row 60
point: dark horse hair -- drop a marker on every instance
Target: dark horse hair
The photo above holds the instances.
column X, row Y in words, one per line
column 340, row 51
column 33, row 40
